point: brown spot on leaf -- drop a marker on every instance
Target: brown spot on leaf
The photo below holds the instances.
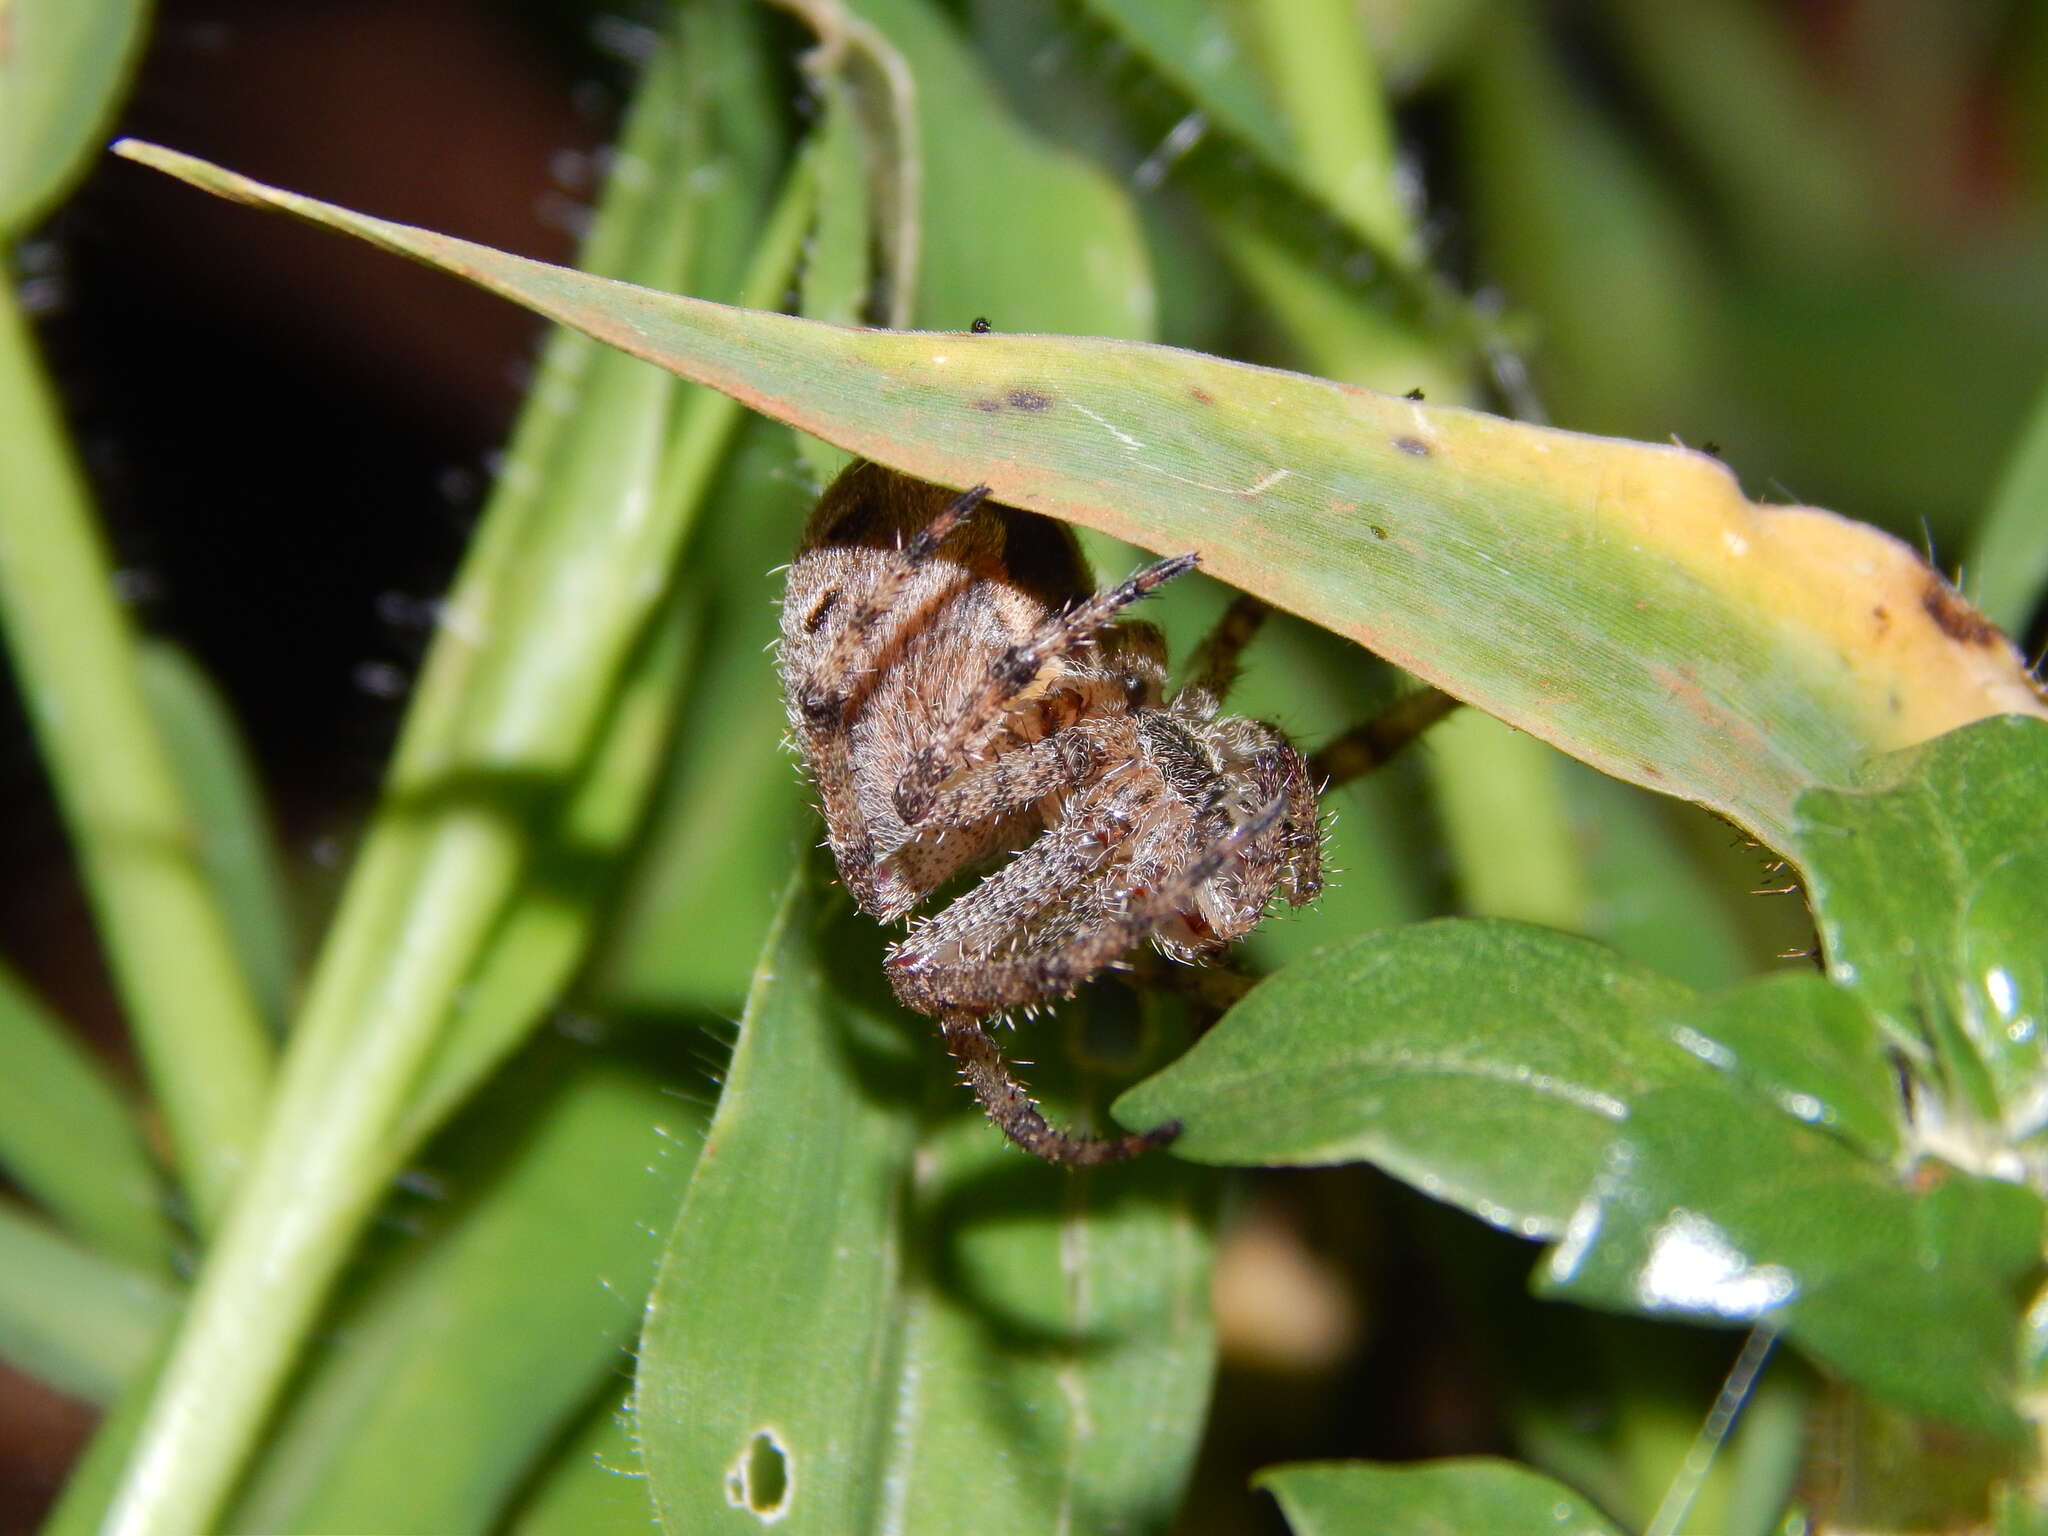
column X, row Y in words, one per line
column 1883, row 618
column 1029, row 400
column 986, row 404
column 1200, row 395
column 1412, row 445
column 1955, row 617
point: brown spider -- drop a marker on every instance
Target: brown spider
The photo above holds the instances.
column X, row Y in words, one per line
column 957, row 694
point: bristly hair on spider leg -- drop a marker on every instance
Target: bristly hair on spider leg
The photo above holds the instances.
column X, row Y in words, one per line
column 983, row 1069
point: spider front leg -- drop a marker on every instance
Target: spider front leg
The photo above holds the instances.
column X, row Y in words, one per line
column 847, row 659
column 1009, row 676
column 1013, row 1110
column 1036, row 930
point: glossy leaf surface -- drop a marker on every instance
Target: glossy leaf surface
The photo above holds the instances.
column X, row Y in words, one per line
column 1485, row 1062
column 1930, row 897
column 1909, row 1293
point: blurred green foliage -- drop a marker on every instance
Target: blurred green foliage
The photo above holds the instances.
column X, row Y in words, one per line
column 1814, row 235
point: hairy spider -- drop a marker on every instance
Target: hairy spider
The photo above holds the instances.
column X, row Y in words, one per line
column 957, row 694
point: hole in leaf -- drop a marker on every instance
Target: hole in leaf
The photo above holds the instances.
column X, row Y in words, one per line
column 759, row 1481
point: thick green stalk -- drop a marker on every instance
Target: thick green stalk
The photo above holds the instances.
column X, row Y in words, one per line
column 189, row 1004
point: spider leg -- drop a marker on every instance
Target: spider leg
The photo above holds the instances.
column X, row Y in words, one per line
column 1010, row 675
column 859, row 638
column 1026, row 774
column 934, row 971
column 1216, row 662
column 1012, row 1109
column 1371, row 743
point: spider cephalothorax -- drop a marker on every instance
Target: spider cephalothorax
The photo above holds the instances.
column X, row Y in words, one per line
column 957, row 695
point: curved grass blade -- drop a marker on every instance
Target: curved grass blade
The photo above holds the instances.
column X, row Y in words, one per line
column 235, row 844
column 74, row 1318
column 68, row 1138
column 2007, row 567
column 1621, row 600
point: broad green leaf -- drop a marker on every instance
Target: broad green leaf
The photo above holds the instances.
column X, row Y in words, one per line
column 1488, row 1063
column 1929, row 898
column 78, row 1320
column 63, row 64
column 1720, row 1209
column 1014, row 1344
column 68, row 1138
column 469, row 1349
column 235, row 841
column 1436, row 1498
column 1620, row 600
column 1808, row 1046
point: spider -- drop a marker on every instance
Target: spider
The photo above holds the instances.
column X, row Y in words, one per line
column 958, row 694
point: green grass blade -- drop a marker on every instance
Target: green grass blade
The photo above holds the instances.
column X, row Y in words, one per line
column 63, row 64
column 235, row 843
column 188, row 1001
column 78, row 1320
column 70, row 1139
column 851, row 1206
column 534, row 649
column 1619, row 600
column 1316, row 55
column 2006, row 570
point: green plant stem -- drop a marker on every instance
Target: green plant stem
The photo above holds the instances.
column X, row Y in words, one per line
column 432, row 887
column 193, row 1012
